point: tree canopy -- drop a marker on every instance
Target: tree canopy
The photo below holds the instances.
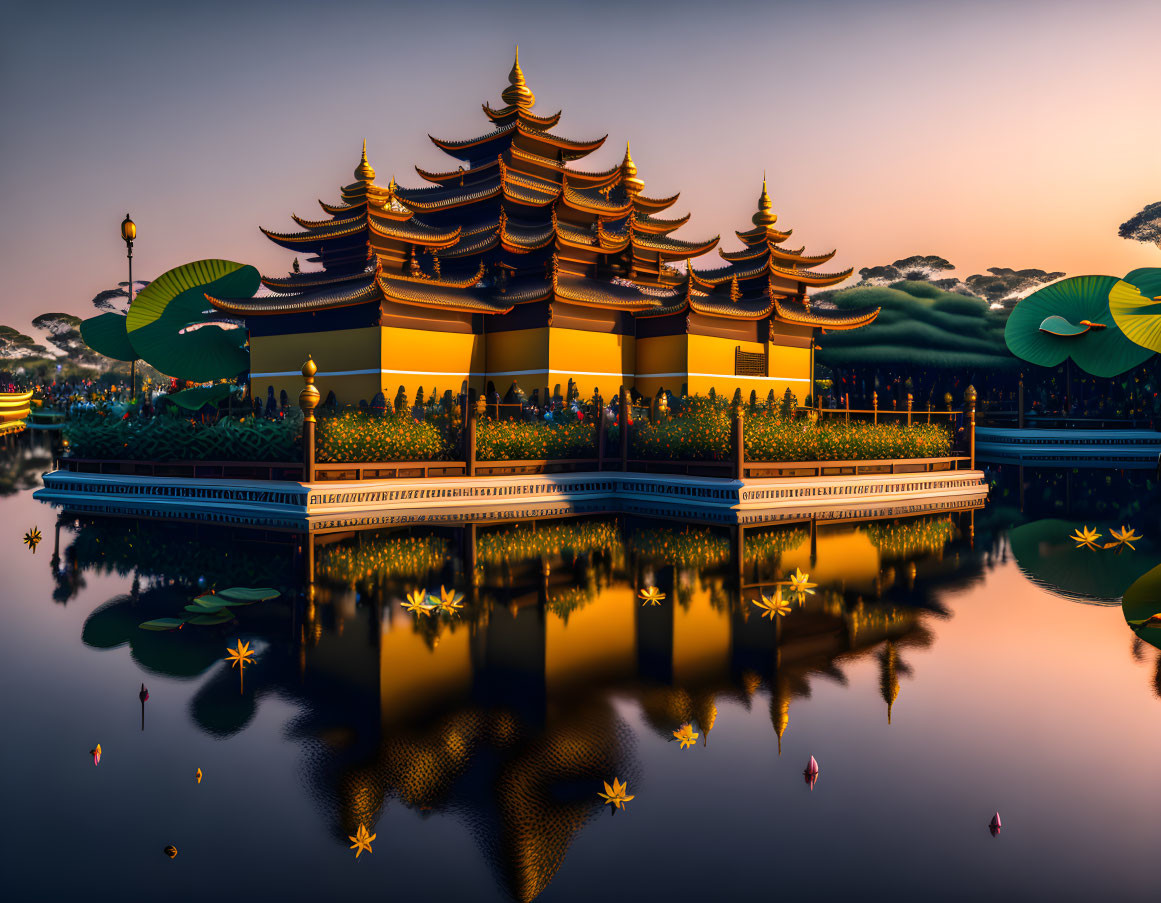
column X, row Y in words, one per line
column 1144, row 225
column 919, row 324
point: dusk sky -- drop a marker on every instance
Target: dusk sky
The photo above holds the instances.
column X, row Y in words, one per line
column 1016, row 134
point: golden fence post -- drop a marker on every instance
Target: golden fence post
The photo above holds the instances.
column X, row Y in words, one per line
column 847, row 406
column 479, row 411
column 910, row 400
column 970, row 397
column 308, row 401
column 875, row 406
column 623, row 417
column 599, row 418
column 929, row 409
column 739, row 443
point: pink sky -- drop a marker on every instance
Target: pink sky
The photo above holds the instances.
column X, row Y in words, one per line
column 994, row 134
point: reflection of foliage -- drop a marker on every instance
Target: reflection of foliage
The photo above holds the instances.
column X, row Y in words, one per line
column 547, row 540
column 907, row 539
column 877, row 620
column 172, row 551
column 170, row 439
column 379, row 555
column 1142, row 601
column 762, row 545
column 563, row 602
column 687, row 548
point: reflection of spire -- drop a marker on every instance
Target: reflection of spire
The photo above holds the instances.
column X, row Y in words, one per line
column 780, row 709
column 706, row 713
column 888, row 676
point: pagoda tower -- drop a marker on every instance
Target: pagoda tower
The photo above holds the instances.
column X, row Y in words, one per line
column 516, row 266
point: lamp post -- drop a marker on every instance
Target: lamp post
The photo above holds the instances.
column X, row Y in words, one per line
column 129, row 233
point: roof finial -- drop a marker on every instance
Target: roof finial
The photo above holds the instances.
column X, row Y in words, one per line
column 517, row 93
column 765, row 215
column 364, row 172
column 629, row 180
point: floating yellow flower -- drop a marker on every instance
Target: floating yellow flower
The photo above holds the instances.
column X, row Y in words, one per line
column 615, row 795
column 1086, row 538
column 417, row 602
column 32, row 538
column 651, row 595
column 450, row 600
column 773, row 605
column 686, row 735
column 240, row 656
column 800, row 583
column 362, row 841
column 171, row 851
column 1126, row 537
column 199, row 775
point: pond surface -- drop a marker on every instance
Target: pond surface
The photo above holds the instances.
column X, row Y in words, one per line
column 945, row 667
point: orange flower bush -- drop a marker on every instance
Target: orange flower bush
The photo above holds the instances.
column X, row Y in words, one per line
column 521, row 440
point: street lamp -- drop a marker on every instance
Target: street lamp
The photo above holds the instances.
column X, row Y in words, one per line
column 129, row 232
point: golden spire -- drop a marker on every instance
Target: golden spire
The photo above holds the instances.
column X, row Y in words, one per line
column 629, row 179
column 765, row 215
column 889, row 676
column 364, row 172
column 517, row 93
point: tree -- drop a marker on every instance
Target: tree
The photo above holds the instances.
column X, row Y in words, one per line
column 15, row 345
column 915, row 268
column 1143, row 226
column 64, row 332
column 1000, row 284
column 111, row 298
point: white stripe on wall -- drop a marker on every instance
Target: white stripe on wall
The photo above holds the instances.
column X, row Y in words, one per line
column 321, row 373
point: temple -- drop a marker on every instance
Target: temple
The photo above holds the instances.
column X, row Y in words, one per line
column 515, row 266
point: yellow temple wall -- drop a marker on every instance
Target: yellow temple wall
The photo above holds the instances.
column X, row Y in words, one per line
column 594, row 360
column 661, row 364
column 336, row 352
column 517, row 354
column 434, row 360
column 711, row 365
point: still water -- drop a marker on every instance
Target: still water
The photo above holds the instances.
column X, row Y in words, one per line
column 945, row 667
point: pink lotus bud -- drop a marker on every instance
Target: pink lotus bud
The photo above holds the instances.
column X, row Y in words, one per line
column 994, row 825
column 812, row 768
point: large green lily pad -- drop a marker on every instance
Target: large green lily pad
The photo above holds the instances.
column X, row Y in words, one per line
column 1044, row 552
column 105, row 334
column 249, row 594
column 199, row 396
column 1135, row 302
column 1142, row 601
column 169, row 324
column 1102, row 352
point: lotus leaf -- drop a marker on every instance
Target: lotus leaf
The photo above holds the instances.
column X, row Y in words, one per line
column 106, row 335
column 1143, row 600
column 1135, row 302
column 169, row 321
column 248, row 594
column 1101, row 352
column 211, row 618
column 1050, row 559
column 162, row 624
column 212, row 602
column 198, row 397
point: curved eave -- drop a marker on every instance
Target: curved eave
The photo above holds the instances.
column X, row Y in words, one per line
column 342, row 209
column 581, row 291
column 426, row 238
column 522, row 241
column 733, row 310
column 313, row 239
column 801, row 315
column 435, row 295
column 763, row 234
column 596, row 206
column 645, row 205
column 655, row 226
column 438, row 283
column 527, row 194
column 753, row 252
column 450, row 203
column 453, row 175
column 456, row 144
column 570, row 148
column 525, row 290
column 502, row 115
column 476, row 245
column 306, row 302
column 675, row 248
column 296, row 283
column 806, row 277
column 324, row 223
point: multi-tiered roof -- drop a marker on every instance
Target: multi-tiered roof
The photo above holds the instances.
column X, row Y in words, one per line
column 515, row 223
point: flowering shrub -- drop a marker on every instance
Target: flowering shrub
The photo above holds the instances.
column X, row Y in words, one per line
column 382, row 555
column 174, row 439
column 707, row 435
column 520, row 440
column 357, row 437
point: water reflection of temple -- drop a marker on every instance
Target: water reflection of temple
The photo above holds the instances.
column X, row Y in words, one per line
column 504, row 714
